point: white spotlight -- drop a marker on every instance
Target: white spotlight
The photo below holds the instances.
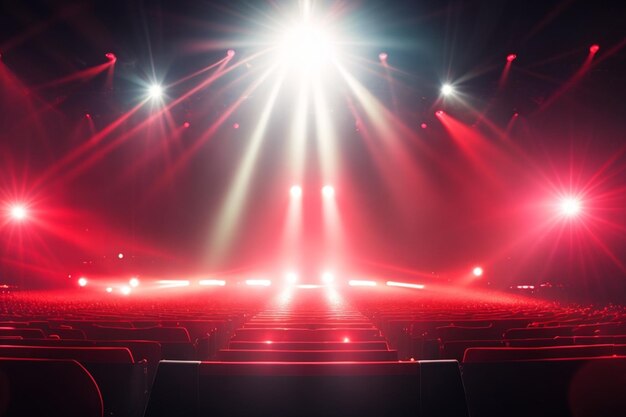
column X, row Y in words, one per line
column 291, row 277
column 18, row 212
column 328, row 278
column 477, row 271
column 447, row 89
column 133, row 282
column 295, row 191
column 570, row 207
column 328, row 191
column 155, row 91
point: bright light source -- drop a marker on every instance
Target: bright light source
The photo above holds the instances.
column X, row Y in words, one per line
column 212, row 282
column 328, row 277
column 295, row 191
column 594, row 48
column 111, row 56
column 230, row 53
column 328, row 191
column 18, row 212
column 120, row 255
column 291, row 277
column 172, row 283
column 361, row 283
column 109, row 289
column 155, row 91
column 477, row 271
column 82, row 282
column 133, row 282
column 306, row 45
column 447, row 89
column 258, row 282
column 439, row 113
column 570, row 207
column 125, row 290
column 511, row 57
column 383, row 56
column 405, row 285
column 346, row 340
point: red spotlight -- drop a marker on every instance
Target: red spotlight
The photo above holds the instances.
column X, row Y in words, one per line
column 346, row 340
column 382, row 56
column 236, row 126
column 511, row 57
column 186, row 125
column 18, row 212
column 477, row 271
column 594, row 48
column 82, row 282
column 571, row 207
column 230, row 53
column 295, row 191
column 328, row 191
column 120, row 255
column 439, row 113
column 424, row 125
column 87, row 116
column 111, row 56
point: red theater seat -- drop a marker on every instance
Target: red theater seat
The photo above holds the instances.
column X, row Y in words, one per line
column 51, row 388
column 514, row 354
column 233, row 355
column 368, row 389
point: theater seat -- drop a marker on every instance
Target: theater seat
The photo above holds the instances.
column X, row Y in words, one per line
column 399, row 389
column 50, row 388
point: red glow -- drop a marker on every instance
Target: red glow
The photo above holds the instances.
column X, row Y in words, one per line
column 120, row 256
column 405, row 285
column 478, row 271
column 111, row 56
column 383, row 56
column 594, row 48
column 295, row 191
column 511, row 57
column 87, row 115
column 236, row 126
column 186, row 125
column 361, row 283
column 439, row 113
column 230, row 53
column 82, row 282
column 424, row 125
column 346, row 340
column 109, row 289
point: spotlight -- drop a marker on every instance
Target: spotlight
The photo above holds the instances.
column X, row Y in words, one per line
column 212, row 282
column 18, row 212
column 570, row 207
column 109, row 289
column 155, row 91
column 133, row 282
column 111, row 56
column 328, row 191
column 383, row 56
column 120, row 255
column 477, row 271
column 186, row 125
column 230, row 53
column 125, row 290
column 594, row 48
column 423, row 125
column 328, row 278
column 361, row 283
column 447, row 90
column 291, row 277
column 405, row 285
column 82, row 282
column 439, row 113
column 235, row 125
column 295, row 191
column 258, row 282
column 511, row 57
